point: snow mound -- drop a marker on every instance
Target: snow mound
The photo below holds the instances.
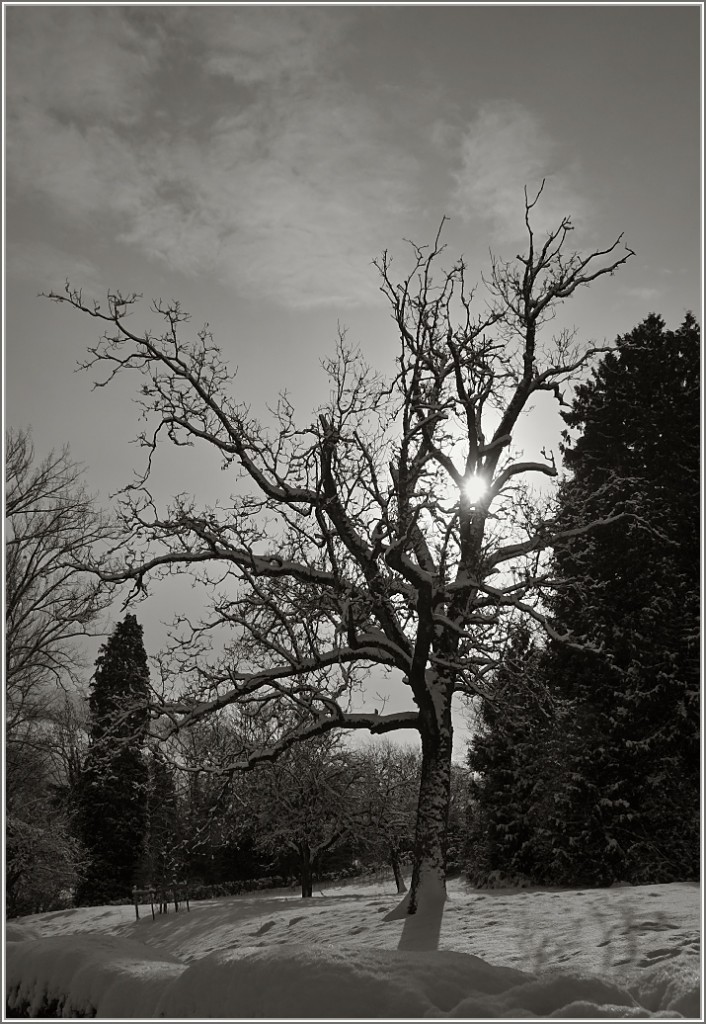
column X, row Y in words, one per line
column 86, row 976
column 318, row 982
column 324, row 983
column 673, row 984
column 15, row 932
column 108, row 976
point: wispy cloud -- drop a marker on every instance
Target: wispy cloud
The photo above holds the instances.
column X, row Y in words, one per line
column 505, row 149
column 265, row 46
column 294, row 207
column 644, row 293
column 288, row 194
column 47, row 267
column 77, row 62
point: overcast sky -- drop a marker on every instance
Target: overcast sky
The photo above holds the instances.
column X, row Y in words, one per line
column 252, row 161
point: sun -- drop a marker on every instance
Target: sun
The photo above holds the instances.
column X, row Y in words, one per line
column 475, row 487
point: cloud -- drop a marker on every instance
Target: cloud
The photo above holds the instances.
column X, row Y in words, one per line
column 84, row 172
column 47, row 267
column 504, row 149
column 267, row 45
column 291, row 206
column 77, row 63
column 644, row 293
column 285, row 188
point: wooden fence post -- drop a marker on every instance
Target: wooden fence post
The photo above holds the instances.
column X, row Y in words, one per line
column 161, row 897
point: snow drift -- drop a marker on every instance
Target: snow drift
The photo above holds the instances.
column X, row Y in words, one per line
column 629, row 952
column 86, row 976
column 106, row 976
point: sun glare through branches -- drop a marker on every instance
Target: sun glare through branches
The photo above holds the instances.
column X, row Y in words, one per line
column 474, row 487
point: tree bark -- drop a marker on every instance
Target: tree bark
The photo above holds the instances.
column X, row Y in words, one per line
column 306, row 872
column 429, row 862
column 423, row 906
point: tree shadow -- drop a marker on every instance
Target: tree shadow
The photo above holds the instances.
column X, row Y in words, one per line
column 421, row 930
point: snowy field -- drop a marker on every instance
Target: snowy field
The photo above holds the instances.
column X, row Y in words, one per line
column 620, row 953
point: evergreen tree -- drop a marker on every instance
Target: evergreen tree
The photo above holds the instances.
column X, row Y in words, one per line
column 588, row 768
column 632, row 590
column 506, row 780
column 114, row 781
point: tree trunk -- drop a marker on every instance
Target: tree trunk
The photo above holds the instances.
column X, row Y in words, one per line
column 429, row 863
column 423, row 906
column 306, row 871
column 397, row 870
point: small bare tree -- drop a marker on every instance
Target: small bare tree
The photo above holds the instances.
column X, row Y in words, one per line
column 389, row 803
column 306, row 804
column 357, row 542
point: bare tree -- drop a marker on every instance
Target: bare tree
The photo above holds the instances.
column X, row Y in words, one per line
column 355, row 542
column 306, row 803
column 389, row 803
column 51, row 524
column 43, row 860
column 50, row 605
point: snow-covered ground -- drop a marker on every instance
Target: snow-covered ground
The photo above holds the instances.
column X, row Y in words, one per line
column 621, row 953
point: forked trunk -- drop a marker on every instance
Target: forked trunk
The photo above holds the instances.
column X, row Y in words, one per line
column 423, row 906
column 397, row 870
column 306, row 871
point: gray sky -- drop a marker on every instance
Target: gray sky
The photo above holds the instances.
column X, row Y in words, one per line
column 252, row 161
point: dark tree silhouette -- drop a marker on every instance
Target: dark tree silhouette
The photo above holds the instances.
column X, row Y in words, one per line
column 633, row 589
column 507, row 758
column 599, row 779
column 114, row 781
column 361, row 543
